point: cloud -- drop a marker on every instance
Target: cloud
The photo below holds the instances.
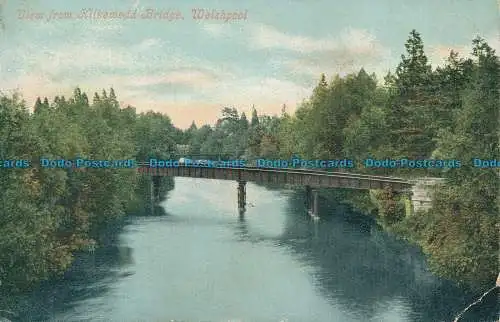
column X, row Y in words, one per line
column 106, row 27
column 346, row 52
column 264, row 37
column 493, row 38
column 74, row 62
column 194, row 78
column 352, row 40
column 33, row 85
column 149, row 44
column 134, row 70
column 217, row 30
column 438, row 54
column 248, row 91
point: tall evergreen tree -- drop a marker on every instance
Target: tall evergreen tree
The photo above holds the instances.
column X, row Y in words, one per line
column 96, row 99
column 38, row 105
column 255, row 118
column 244, row 122
column 112, row 98
column 410, row 107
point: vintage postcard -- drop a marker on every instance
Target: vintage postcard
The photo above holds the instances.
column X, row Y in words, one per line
column 257, row 161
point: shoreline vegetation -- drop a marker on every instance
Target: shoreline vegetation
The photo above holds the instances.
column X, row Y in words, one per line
column 48, row 215
column 451, row 112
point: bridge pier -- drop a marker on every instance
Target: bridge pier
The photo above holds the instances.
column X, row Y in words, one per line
column 408, row 198
column 307, row 201
column 152, row 196
column 315, row 203
column 156, row 184
column 311, row 201
column 242, row 196
column 154, row 192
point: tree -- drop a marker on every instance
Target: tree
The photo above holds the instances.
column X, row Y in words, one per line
column 255, row 118
column 197, row 141
column 112, row 98
column 230, row 114
column 244, row 122
column 38, row 104
column 189, row 134
column 462, row 233
column 448, row 84
column 410, row 105
column 414, row 70
column 283, row 110
column 96, row 99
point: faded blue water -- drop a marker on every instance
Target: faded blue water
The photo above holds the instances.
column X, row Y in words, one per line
column 202, row 262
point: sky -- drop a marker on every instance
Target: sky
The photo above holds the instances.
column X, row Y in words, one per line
column 190, row 68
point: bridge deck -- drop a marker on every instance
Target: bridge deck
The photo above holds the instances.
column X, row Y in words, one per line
column 313, row 178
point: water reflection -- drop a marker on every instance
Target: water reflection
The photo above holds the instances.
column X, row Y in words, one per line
column 90, row 277
column 358, row 265
column 363, row 268
column 364, row 274
column 242, row 228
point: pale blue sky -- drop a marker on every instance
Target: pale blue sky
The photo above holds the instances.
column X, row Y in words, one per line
column 190, row 69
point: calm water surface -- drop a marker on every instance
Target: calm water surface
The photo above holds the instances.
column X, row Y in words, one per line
column 202, row 262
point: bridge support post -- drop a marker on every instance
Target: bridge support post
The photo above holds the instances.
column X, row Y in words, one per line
column 307, row 201
column 315, row 203
column 156, row 185
column 152, row 195
column 242, row 196
column 409, row 210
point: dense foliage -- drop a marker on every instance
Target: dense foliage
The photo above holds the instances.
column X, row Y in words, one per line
column 48, row 214
column 451, row 112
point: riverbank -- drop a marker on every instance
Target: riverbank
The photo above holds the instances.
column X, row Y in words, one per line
column 420, row 229
column 50, row 214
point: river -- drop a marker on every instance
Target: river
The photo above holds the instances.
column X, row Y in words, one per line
column 202, row 262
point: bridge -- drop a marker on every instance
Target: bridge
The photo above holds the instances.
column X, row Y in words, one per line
column 310, row 179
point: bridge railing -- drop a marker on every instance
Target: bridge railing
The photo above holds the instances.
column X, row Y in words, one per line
column 345, row 175
column 322, row 172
